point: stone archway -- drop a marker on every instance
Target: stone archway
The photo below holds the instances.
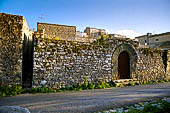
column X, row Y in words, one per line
column 124, row 65
column 127, row 51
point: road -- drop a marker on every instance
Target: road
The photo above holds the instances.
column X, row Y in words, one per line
column 87, row 101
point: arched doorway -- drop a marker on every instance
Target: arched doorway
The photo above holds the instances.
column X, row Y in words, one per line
column 124, row 65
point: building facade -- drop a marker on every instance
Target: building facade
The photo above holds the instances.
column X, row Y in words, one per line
column 95, row 32
column 161, row 41
column 117, row 36
column 81, row 34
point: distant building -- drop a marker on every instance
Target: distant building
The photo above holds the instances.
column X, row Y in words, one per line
column 81, row 34
column 117, row 36
column 161, row 41
column 94, row 32
column 63, row 32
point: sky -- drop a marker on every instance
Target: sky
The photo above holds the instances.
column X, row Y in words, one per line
column 127, row 17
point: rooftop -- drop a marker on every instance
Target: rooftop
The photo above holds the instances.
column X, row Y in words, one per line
column 155, row 35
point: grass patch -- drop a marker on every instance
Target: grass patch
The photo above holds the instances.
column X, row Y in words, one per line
column 10, row 90
column 160, row 106
column 17, row 89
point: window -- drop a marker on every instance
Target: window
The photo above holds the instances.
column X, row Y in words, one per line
column 145, row 42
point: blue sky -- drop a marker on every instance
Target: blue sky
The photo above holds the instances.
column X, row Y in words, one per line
column 116, row 16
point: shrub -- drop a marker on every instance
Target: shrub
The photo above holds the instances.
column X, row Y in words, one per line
column 10, row 90
column 41, row 90
column 137, row 83
column 131, row 84
column 102, row 85
column 155, row 81
column 85, row 84
column 162, row 81
column 166, row 80
column 112, row 84
column 91, row 85
column 79, row 87
column 121, row 85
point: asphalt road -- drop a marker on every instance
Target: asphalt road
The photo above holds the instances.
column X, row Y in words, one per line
column 87, row 101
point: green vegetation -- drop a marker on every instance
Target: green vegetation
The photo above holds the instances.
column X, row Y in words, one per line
column 101, row 41
column 153, row 107
column 160, row 106
column 148, row 51
column 86, row 85
column 17, row 89
column 10, row 90
column 41, row 89
column 102, row 85
column 155, row 81
column 131, row 84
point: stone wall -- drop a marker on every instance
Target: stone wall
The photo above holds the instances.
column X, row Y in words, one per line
column 64, row 63
column 150, row 65
column 85, row 39
column 61, row 32
column 12, row 31
column 10, row 48
column 168, row 65
column 161, row 41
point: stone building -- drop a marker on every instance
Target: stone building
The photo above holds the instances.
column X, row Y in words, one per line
column 117, row 36
column 65, row 63
column 62, row 32
column 95, row 32
column 81, row 34
column 161, row 41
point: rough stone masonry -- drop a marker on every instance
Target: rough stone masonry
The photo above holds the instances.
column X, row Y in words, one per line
column 63, row 62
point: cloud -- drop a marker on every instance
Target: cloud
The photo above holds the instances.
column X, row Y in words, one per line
column 129, row 33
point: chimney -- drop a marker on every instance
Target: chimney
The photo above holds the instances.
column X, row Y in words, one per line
column 149, row 34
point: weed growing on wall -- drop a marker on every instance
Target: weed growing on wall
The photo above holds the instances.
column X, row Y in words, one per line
column 148, row 51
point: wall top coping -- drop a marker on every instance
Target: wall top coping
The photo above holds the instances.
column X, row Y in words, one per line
column 55, row 24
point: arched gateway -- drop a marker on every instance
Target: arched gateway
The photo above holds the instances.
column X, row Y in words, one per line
column 124, row 65
column 124, row 59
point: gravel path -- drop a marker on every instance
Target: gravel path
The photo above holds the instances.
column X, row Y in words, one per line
column 87, row 101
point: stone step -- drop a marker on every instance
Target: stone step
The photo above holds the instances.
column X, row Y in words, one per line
column 126, row 83
column 124, row 80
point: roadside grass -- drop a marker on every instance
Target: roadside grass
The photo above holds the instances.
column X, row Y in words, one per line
column 160, row 106
column 17, row 89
